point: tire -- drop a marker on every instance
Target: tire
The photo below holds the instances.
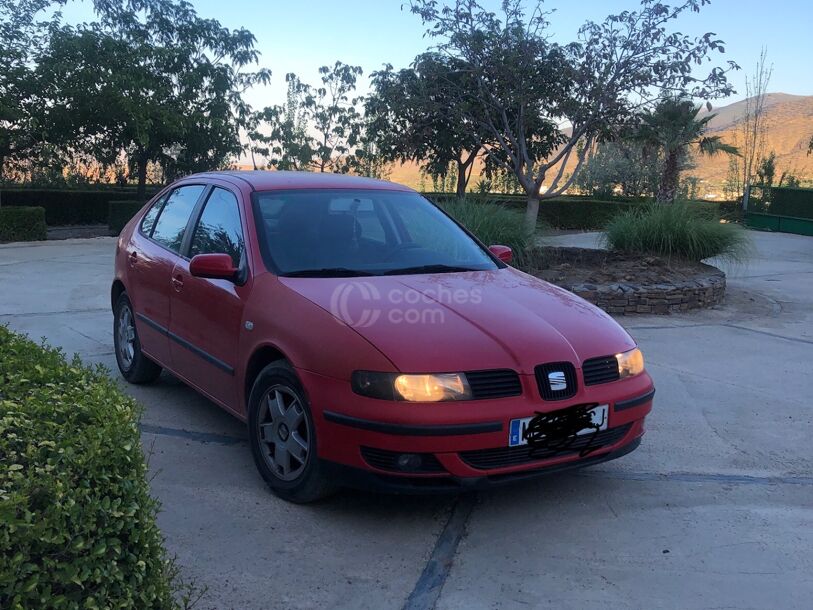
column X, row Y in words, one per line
column 283, row 436
column 135, row 367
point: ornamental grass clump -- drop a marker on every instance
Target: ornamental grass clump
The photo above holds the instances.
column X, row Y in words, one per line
column 676, row 231
column 491, row 223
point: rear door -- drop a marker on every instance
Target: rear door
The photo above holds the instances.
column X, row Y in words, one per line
column 154, row 252
column 207, row 314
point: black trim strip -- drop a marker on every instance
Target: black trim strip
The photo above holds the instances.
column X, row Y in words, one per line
column 634, row 402
column 190, row 346
column 409, row 430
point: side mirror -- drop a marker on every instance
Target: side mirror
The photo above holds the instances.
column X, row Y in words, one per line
column 503, row 253
column 213, row 266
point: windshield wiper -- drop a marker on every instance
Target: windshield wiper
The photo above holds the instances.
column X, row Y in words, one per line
column 429, row 269
column 328, row 272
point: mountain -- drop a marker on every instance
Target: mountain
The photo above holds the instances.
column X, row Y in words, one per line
column 789, row 127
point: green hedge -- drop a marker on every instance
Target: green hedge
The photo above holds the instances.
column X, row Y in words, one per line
column 22, row 224
column 119, row 214
column 66, row 206
column 585, row 214
column 77, row 523
column 794, row 202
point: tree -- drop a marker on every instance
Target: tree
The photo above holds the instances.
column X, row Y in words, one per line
column 543, row 101
column 21, row 36
column 674, row 127
column 415, row 116
column 150, row 78
column 315, row 129
column 751, row 131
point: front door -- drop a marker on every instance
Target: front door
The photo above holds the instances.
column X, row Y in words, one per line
column 207, row 314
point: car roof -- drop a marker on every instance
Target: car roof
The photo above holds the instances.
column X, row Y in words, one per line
column 261, row 180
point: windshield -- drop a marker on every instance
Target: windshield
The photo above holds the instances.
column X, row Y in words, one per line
column 324, row 233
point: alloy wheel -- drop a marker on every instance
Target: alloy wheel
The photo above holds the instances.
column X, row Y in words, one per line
column 284, row 433
column 126, row 337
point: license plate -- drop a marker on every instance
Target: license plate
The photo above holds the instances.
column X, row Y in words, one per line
column 518, row 428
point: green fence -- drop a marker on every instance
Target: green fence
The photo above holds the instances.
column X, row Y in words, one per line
column 787, row 210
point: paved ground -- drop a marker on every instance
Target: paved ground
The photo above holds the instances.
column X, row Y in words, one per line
column 714, row 510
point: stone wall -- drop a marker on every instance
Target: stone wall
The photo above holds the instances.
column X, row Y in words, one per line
column 705, row 289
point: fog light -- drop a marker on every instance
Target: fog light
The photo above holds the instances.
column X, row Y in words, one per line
column 409, row 462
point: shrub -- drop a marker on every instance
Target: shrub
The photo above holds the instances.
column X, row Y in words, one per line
column 119, row 214
column 795, row 202
column 491, row 223
column 77, row 523
column 675, row 230
column 67, row 206
column 22, row 224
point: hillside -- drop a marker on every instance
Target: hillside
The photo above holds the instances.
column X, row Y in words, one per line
column 789, row 121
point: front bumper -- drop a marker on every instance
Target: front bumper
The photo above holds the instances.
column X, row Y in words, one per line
column 466, row 442
column 377, row 481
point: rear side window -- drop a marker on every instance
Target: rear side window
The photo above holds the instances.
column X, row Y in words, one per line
column 148, row 222
column 171, row 224
column 219, row 230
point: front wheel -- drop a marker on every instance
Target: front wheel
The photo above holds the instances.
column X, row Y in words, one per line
column 135, row 367
column 283, row 436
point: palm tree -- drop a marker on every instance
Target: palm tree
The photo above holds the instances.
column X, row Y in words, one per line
column 674, row 128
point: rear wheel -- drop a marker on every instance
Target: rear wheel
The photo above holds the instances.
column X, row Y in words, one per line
column 283, row 436
column 135, row 367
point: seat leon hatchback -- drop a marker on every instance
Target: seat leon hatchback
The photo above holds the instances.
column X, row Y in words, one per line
column 367, row 339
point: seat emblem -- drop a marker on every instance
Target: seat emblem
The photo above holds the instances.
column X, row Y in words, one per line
column 557, row 381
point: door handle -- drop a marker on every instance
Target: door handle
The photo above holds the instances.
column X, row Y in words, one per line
column 177, row 282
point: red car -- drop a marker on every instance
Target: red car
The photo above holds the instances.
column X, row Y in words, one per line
column 367, row 338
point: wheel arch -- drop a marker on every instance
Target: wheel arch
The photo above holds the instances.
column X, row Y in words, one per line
column 116, row 290
column 260, row 358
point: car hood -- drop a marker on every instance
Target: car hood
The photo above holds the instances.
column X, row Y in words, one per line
column 467, row 321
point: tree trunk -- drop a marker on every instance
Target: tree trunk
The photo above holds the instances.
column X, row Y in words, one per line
column 667, row 189
column 141, row 191
column 531, row 214
column 462, row 179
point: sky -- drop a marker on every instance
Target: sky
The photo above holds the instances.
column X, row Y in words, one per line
column 301, row 35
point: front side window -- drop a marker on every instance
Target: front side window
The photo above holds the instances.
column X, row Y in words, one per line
column 219, row 230
column 368, row 232
column 171, row 224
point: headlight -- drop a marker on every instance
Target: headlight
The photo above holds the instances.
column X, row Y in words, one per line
column 630, row 363
column 412, row 388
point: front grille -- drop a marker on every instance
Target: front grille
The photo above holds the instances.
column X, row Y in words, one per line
column 494, row 384
column 388, row 460
column 600, row 370
column 502, row 457
column 548, row 393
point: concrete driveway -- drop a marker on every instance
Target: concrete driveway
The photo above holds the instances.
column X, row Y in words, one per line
column 714, row 510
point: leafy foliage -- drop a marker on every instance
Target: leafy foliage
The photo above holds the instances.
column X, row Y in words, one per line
column 677, row 230
column 22, row 224
column 416, row 115
column 167, row 86
column 77, row 523
column 673, row 128
column 528, row 84
column 315, row 129
column 21, row 37
column 623, row 165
